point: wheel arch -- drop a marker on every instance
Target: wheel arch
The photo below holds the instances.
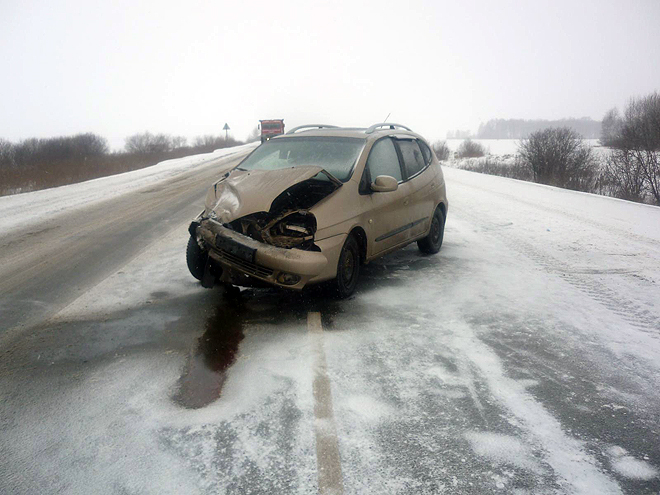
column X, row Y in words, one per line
column 443, row 209
column 361, row 236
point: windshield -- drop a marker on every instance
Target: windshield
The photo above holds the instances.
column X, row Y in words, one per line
column 337, row 155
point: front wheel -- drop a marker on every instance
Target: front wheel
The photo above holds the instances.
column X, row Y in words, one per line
column 196, row 259
column 432, row 243
column 348, row 268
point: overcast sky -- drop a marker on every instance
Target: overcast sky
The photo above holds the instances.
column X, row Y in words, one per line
column 120, row 67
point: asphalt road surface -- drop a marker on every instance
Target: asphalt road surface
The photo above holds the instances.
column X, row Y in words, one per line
column 523, row 358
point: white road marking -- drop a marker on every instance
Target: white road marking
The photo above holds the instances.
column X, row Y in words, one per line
column 327, row 448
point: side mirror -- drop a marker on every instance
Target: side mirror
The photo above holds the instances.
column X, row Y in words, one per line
column 385, row 183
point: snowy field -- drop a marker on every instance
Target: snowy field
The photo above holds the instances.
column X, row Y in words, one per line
column 524, row 358
column 501, row 147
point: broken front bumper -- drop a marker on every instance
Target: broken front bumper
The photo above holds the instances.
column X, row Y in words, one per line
column 243, row 259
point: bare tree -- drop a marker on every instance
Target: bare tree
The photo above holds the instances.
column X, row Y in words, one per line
column 559, row 157
column 148, row 143
column 610, row 128
column 470, row 149
column 6, row 154
column 623, row 177
column 208, row 141
column 637, row 139
column 441, row 150
column 178, row 142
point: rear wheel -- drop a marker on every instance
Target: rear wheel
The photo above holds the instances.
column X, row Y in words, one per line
column 432, row 243
column 196, row 259
column 348, row 268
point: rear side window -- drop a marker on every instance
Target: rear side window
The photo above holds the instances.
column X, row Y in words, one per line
column 383, row 160
column 413, row 160
column 426, row 151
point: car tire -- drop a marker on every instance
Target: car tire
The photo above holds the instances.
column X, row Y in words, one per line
column 196, row 259
column 432, row 243
column 348, row 268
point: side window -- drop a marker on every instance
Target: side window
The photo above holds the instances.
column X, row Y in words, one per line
column 383, row 160
column 426, row 151
column 413, row 160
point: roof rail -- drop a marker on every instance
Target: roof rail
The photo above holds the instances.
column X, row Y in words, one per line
column 311, row 126
column 375, row 127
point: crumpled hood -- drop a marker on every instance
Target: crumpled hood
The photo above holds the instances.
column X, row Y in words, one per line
column 246, row 192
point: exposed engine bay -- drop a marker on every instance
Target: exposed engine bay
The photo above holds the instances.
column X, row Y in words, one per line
column 293, row 228
column 289, row 223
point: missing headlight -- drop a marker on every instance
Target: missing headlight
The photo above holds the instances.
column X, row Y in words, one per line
column 290, row 229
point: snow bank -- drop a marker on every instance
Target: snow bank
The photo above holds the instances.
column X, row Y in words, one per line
column 541, row 201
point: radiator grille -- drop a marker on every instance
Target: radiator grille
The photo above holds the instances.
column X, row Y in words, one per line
column 246, row 266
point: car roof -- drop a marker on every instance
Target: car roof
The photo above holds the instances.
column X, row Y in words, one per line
column 376, row 131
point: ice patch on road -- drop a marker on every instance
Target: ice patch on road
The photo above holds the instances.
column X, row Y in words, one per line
column 139, row 282
column 630, row 467
column 503, row 449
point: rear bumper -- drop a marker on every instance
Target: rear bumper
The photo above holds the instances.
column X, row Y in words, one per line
column 244, row 259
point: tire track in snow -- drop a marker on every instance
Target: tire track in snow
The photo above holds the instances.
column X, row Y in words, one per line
column 628, row 310
column 579, row 473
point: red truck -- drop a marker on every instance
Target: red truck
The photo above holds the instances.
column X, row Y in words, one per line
column 271, row 128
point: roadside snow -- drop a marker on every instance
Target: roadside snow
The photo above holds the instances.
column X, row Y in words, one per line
column 542, row 202
column 34, row 207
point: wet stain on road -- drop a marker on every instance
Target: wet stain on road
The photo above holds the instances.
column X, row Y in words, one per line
column 216, row 350
column 206, row 370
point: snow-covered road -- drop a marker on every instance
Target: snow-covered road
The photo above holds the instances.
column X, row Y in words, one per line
column 524, row 358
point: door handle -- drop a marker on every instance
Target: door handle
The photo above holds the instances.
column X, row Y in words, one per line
column 406, row 201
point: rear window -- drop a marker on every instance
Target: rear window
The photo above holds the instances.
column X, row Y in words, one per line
column 336, row 155
column 413, row 160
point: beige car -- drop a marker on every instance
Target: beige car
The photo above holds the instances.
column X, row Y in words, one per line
column 314, row 204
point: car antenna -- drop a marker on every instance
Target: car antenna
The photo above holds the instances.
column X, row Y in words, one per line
column 388, row 116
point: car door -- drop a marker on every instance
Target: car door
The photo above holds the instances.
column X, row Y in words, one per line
column 388, row 222
column 421, row 183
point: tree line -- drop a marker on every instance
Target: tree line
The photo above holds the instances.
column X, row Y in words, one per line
column 521, row 128
column 558, row 155
column 38, row 163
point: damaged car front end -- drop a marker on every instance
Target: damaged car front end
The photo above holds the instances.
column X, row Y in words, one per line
column 259, row 228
